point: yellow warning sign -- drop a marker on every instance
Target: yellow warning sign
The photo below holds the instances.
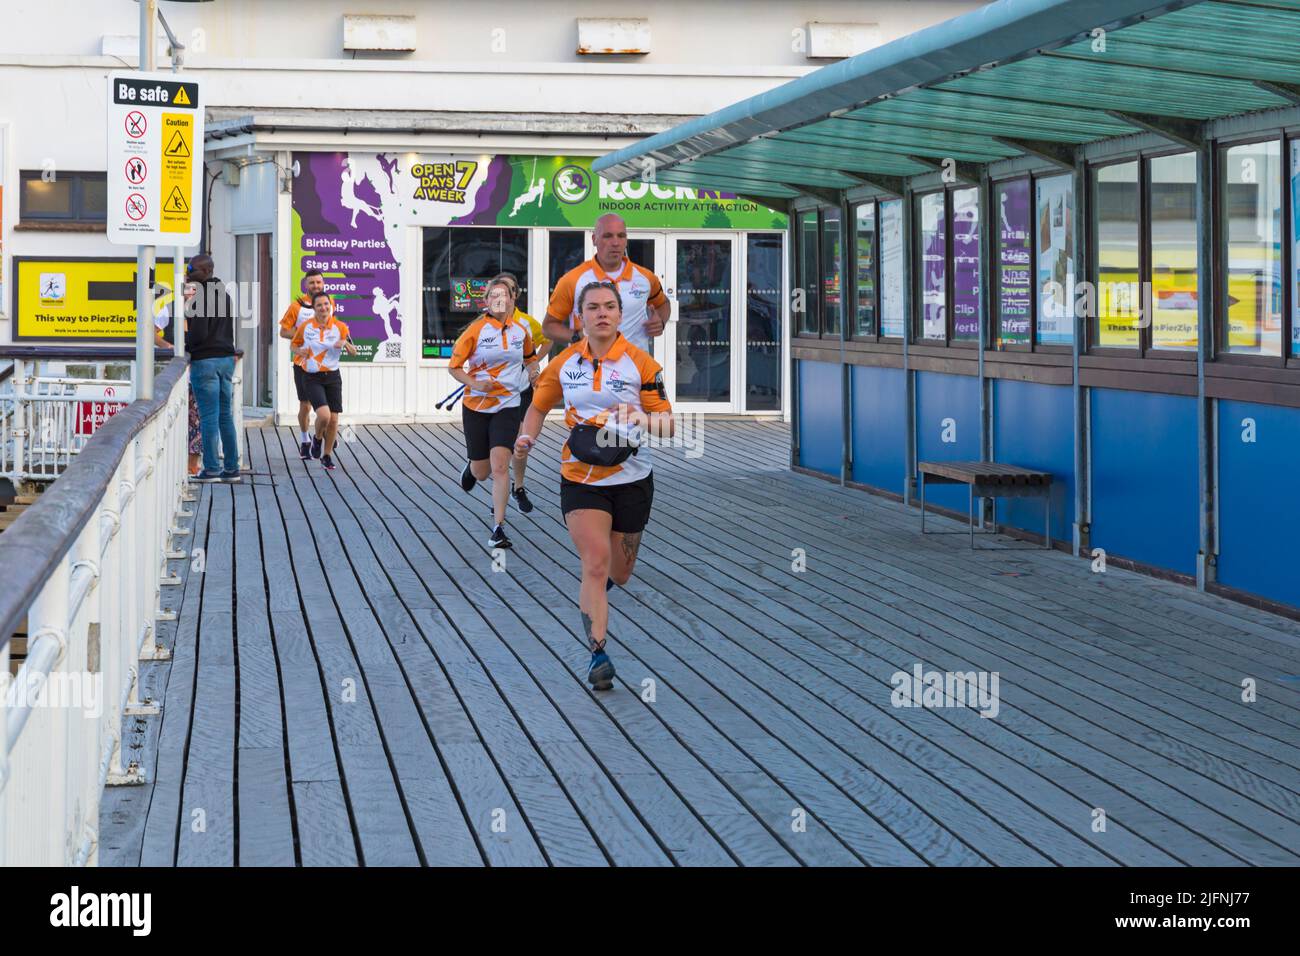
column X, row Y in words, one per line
column 177, row 171
column 181, row 98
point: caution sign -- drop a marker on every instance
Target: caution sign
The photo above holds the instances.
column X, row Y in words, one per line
column 177, row 171
column 155, row 139
column 77, row 300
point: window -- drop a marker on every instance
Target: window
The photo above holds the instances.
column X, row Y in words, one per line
column 1054, row 287
column 949, row 257
column 67, row 197
column 458, row 262
column 864, row 274
column 832, row 272
column 965, row 265
column 1295, row 247
column 806, row 240
column 1015, row 307
column 933, row 258
column 1117, row 231
column 891, row 268
column 1171, row 209
column 763, row 253
column 1251, row 287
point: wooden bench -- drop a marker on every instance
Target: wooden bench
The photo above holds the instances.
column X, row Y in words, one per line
column 989, row 479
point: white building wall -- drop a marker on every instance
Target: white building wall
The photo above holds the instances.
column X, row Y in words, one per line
column 501, row 61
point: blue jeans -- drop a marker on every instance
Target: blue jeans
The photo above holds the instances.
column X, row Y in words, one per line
column 213, row 393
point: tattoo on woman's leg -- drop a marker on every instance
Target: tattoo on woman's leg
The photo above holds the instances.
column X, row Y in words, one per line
column 586, row 628
column 631, row 542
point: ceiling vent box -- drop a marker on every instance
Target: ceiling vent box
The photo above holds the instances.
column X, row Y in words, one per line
column 367, row 33
column 603, row 37
column 835, row 41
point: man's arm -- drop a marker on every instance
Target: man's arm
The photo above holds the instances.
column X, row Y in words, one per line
column 657, row 318
column 557, row 330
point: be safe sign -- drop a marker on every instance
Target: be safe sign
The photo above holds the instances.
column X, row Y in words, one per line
column 155, row 136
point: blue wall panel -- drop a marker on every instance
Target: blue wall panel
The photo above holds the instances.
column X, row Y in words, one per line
column 1259, row 520
column 879, row 427
column 940, row 397
column 1144, row 486
column 1033, row 426
column 821, row 422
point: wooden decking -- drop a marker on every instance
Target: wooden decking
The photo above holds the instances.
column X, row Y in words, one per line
column 353, row 683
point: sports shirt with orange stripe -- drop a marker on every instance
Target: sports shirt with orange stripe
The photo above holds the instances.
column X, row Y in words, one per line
column 592, row 388
column 638, row 288
column 500, row 350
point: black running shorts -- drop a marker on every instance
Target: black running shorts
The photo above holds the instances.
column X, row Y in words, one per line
column 487, row 430
column 300, row 383
column 323, row 388
column 628, row 503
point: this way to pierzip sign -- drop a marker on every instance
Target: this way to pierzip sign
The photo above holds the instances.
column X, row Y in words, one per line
column 155, row 136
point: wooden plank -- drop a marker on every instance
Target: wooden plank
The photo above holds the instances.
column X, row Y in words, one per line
column 208, row 826
column 163, row 821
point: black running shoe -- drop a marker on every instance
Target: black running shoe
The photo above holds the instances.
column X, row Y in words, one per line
column 499, row 539
column 467, row 479
column 304, row 450
column 328, row 462
column 600, row 673
column 316, row 444
column 522, row 500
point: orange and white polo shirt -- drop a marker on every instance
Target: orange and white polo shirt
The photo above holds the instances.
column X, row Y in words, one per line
column 638, row 287
column 324, row 344
column 591, row 389
column 299, row 311
column 500, row 350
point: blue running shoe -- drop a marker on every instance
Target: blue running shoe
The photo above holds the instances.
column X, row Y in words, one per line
column 601, row 672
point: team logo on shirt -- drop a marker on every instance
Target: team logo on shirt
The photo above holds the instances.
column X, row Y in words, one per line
column 615, row 381
column 575, row 376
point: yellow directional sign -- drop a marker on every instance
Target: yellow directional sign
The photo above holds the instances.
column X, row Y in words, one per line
column 74, row 299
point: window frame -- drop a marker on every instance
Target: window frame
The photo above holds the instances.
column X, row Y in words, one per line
column 77, row 212
column 1286, row 357
column 801, row 280
column 949, row 275
column 875, row 336
column 1145, row 349
column 994, row 318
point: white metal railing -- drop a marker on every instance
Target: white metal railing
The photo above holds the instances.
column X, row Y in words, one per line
column 40, row 418
column 91, row 621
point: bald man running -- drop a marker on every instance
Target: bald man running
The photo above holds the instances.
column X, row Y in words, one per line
column 645, row 307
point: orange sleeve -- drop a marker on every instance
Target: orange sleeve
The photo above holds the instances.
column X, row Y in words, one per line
column 656, row 296
column 343, row 330
column 560, row 307
column 297, row 337
column 548, row 392
column 465, row 345
column 652, row 382
column 530, row 353
column 290, row 318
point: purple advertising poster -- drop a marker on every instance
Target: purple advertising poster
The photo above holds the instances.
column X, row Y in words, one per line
column 966, row 265
column 339, row 204
column 933, row 268
column 1015, row 283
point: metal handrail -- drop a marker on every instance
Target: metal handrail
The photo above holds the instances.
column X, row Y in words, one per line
column 38, row 541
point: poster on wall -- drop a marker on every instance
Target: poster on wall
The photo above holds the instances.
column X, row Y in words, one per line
column 1295, row 247
column 1015, row 285
column 1055, row 225
column 934, row 288
column 965, row 264
column 891, row 267
column 78, row 299
column 350, row 211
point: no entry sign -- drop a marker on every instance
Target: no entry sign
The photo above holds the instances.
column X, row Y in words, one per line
column 155, row 139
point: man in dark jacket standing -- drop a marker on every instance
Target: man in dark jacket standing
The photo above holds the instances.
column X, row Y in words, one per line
column 211, row 344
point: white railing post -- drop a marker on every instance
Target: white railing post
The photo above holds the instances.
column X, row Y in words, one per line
column 20, row 417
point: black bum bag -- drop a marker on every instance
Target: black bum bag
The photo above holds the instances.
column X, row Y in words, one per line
column 585, row 446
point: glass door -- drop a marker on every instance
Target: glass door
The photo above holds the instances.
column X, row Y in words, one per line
column 702, row 366
column 764, row 320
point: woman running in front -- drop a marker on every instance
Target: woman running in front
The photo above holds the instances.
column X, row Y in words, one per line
column 614, row 396
column 317, row 345
column 492, row 359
